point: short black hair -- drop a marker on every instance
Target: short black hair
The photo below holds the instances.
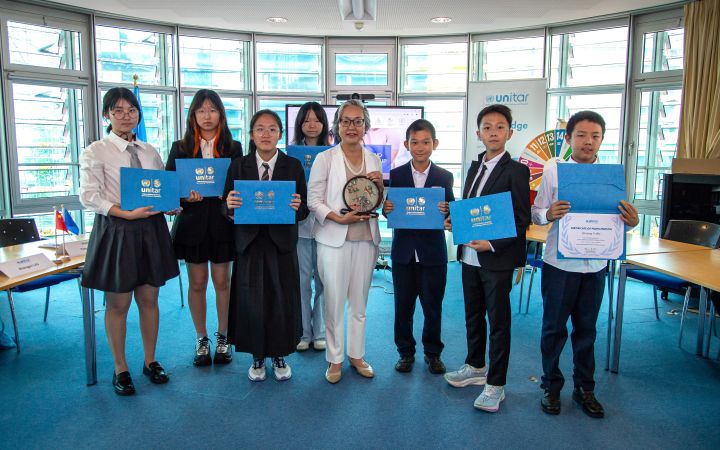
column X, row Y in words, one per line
column 590, row 116
column 255, row 117
column 116, row 94
column 420, row 125
column 496, row 108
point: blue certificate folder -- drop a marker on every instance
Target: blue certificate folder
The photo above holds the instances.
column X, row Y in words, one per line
column 306, row 154
column 416, row 208
column 145, row 187
column 385, row 154
column 205, row 176
column 265, row 202
column 483, row 218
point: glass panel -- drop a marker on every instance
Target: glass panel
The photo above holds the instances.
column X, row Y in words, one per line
column 367, row 69
column 593, row 58
column 511, row 59
column 48, row 131
column 236, row 110
column 45, row 223
column 434, row 68
column 289, row 67
column 447, row 117
column 649, row 226
column 123, row 53
column 607, row 105
column 213, row 63
column 663, row 50
column 34, row 45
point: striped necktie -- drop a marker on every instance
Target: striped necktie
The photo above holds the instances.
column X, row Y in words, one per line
column 266, row 173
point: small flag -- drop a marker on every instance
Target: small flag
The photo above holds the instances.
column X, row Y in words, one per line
column 139, row 131
column 59, row 221
column 70, row 223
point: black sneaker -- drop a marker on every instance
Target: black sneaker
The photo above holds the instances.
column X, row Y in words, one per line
column 202, row 352
column 435, row 364
column 223, row 350
column 405, row 363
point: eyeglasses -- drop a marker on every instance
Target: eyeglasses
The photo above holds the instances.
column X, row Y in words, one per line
column 345, row 123
column 261, row 130
column 119, row 113
column 202, row 112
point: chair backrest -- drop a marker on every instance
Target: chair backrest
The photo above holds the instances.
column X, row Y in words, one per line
column 694, row 232
column 18, row 231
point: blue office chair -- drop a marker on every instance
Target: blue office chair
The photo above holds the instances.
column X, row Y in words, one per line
column 534, row 262
column 22, row 231
column 690, row 232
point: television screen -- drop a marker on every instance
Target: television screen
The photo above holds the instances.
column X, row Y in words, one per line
column 385, row 136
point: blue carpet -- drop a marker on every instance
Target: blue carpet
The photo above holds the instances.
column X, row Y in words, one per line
column 664, row 397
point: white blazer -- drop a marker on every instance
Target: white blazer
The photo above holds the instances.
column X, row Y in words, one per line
column 325, row 189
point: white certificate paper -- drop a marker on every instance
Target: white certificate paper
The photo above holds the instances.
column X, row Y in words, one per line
column 591, row 236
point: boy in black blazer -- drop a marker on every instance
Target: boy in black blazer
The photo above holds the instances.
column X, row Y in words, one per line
column 419, row 256
column 487, row 266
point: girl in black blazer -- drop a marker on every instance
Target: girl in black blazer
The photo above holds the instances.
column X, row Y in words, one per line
column 265, row 294
column 201, row 233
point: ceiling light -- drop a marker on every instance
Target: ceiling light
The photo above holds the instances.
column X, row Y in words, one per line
column 276, row 19
column 441, row 20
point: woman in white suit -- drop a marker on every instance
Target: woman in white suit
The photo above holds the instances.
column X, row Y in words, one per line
column 347, row 244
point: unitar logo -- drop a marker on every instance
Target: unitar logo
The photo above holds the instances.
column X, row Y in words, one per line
column 199, row 171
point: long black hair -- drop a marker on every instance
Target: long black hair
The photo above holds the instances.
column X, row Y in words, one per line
column 190, row 143
column 113, row 96
column 319, row 111
column 255, row 117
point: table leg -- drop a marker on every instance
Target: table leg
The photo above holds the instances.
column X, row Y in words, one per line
column 702, row 309
column 14, row 320
column 88, row 305
column 711, row 319
column 611, row 277
column 619, row 318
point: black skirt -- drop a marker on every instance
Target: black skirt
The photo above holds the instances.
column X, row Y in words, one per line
column 208, row 250
column 124, row 254
column 265, row 318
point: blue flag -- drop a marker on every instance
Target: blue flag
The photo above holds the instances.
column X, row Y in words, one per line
column 139, row 131
column 69, row 222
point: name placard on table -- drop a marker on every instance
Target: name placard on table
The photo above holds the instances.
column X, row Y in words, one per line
column 145, row 187
column 483, row 218
column 26, row 265
column 204, row 176
column 265, row 202
column 306, row 154
column 416, row 208
column 76, row 248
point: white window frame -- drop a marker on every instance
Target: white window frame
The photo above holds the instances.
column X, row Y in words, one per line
column 386, row 46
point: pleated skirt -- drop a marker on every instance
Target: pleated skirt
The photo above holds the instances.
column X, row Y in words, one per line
column 265, row 317
column 124, row 254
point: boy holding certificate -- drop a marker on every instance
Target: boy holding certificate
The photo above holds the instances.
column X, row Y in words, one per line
column 487, row 266
column 571, row 288
column 419, row 256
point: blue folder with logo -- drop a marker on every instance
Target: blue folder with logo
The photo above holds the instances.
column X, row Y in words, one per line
column 145, row 187
column 483, row 218
column 416, row 208
column 205, row 176
column 385, row 154
column 265, row 202
column 306, row 154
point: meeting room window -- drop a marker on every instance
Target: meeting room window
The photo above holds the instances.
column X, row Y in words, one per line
column 507, row 56
column 365, row 66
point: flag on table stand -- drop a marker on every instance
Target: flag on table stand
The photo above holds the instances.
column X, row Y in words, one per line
column 70, row 224
column 60, row 225
column 140, row 133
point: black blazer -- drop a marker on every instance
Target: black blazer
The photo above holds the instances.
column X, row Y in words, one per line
column 512, row 176
column 286, row 169
column 198, row 219
column 429, row 244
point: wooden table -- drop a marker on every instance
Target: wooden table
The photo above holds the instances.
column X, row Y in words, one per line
column 701, row 267
column 88, row 307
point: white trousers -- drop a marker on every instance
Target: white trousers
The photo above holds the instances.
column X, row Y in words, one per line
column 346, row 272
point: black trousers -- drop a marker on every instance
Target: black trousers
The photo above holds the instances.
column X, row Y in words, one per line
column 488, row 292
column 411, row 281
column 574, row 296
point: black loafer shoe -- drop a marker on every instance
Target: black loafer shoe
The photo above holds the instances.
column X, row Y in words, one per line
column 122, row 383
column 405, row 363
column 435, row 364
column 589, row 403
column 550, row 402
column 156, row 373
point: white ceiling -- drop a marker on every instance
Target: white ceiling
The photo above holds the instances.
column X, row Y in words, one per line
column 394, row 17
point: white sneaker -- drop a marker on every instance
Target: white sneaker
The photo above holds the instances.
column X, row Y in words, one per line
column 319, row 344
column 281, row 369
column 302, row 346
column 490, row 398
column 256, row 372
column 466, row 375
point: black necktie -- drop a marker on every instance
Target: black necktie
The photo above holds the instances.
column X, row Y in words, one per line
column 473, row 190
column 266, row 173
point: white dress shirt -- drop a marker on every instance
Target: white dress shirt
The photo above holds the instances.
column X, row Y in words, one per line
column 100, row 165
column 419, row 178
column 546, row 196
column 271, row 163
column 469, row 255
column 207, row 148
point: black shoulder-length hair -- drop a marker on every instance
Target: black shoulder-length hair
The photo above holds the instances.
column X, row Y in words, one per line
column 113, row 96
column 190, row 143
column 255, row 117
column 321, row 115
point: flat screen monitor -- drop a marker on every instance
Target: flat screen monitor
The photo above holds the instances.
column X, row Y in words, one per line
column 385, row 136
